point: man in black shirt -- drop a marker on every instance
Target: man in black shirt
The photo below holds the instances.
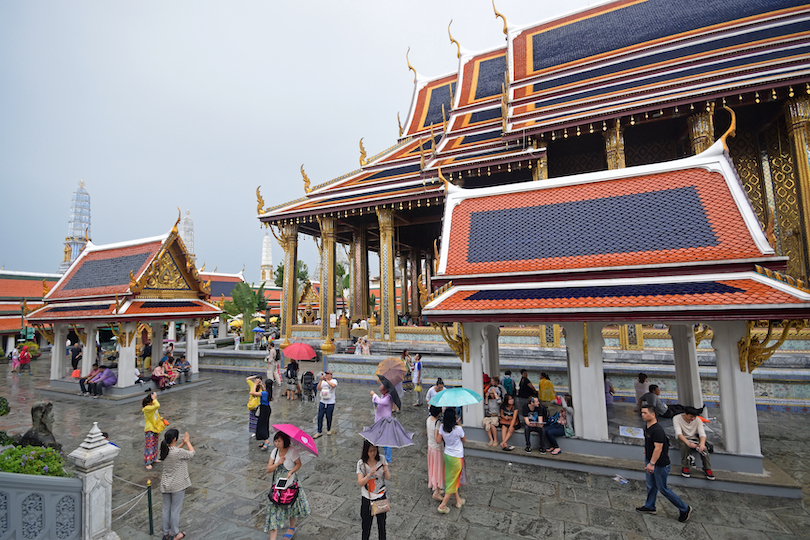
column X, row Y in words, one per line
column 656, row 453
column 534, row 418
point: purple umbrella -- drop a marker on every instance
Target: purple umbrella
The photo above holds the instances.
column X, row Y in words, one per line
column 387, row 432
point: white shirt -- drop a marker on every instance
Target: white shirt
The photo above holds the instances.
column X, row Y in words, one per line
column 430, row 393
column 378, row 480
column 693, row 430
column 431, row 425
column 453, row 446
column 327, row 392
column 289, row 459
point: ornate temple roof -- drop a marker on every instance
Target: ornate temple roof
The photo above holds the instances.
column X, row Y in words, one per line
column 16, row 287
column 673, row 240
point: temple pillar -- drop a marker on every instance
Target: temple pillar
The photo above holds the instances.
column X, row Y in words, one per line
column 359, row 256
column 491, row 353
column 472, row 370
column 797, row 113
column 403, row 284
column 740, row 428
column 126, row 354
column 10, row 343
column 157, row 342
column 701, row 129
column 289, row 301
column 327, row 299
column 192, row 348
column 172, row 333
column 586, row 379
column 58, row 352
column 429, row 271
column 540, row 170
column 687, row 376
column 614, row 146
column 416, row 308
column 89, row 354
column 388, row 304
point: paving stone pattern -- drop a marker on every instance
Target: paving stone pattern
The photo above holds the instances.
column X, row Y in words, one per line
column 228, row 498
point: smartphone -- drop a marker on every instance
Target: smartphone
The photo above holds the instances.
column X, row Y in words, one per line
column 281, row 484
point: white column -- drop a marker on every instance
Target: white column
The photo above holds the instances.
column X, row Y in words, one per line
column 126, row 357
column 192, row 354
column 89, row 351
column 740, row 428
column 172, row 332
column 94, row 460
column 58, row 351
column 157, row 342
column 9, row 344
column 687, row 375
column 587, row 383
column 492, row 361
column 472, row 373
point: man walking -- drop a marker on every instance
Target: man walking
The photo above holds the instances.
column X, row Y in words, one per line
column 656, row 453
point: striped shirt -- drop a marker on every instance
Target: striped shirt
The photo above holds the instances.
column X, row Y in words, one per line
column 175, row 470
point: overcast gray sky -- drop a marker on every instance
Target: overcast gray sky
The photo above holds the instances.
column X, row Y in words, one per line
column 194, row 103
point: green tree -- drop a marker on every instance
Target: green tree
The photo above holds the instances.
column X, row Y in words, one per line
column 372, row 303
column 343, row 281
column 303, row 274
column 247, row 301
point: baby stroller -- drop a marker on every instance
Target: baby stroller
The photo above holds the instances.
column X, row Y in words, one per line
column 308, row 386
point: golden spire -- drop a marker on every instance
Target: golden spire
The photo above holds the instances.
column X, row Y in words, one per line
column 409, row 64
column 399, row 123
column 499, row 15
column 362, row 153
column 307, row 189
column 81, row 183
column 458, row 54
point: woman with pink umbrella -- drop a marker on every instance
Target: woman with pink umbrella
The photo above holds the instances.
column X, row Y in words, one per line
column 284, row 463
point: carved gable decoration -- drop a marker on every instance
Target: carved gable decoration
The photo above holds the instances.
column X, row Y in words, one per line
column 171, row 274
column 166, row 275
column 309, row 295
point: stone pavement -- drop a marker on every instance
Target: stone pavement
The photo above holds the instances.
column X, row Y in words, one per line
column 506, row 501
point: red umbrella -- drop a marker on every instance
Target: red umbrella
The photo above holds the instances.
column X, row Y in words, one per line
column 298, row 436
column 299, row 351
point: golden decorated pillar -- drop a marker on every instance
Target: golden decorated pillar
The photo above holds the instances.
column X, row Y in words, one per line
column 403, row 284
column 540, row 170
column 701, row 129
column 797, row 113
column 416, row 309
column 289, row 300
column 614, row 146
column 327, row 300
column 388, row 304
column 359, row 256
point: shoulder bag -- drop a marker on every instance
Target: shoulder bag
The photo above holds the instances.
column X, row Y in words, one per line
column 379, row 506
column 283, row 497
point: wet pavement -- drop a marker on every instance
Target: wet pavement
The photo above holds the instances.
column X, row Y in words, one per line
column 227, row 500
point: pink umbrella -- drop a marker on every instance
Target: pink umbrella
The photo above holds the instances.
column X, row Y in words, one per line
column 299, row 351
column 298, row 436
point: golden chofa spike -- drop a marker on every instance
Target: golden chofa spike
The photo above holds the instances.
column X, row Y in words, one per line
column 444, row 181
column 362, row 153
column 307, row 189
column 732, row 128
column 458, row 46
column 176, row 223
column 399, row 123
column 499, row 15
column 260, row 201
column 409, row 65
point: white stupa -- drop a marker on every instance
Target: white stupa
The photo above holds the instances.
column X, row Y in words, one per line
column 78, row 227
column 186, row 231
column 267, row 261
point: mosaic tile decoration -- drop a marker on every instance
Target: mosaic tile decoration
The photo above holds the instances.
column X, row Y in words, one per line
column 673, row 217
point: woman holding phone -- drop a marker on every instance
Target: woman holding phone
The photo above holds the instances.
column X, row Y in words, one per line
column 284, row 462
column 372, row 473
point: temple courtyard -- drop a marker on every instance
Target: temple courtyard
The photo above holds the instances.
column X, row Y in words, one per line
column 227, row 500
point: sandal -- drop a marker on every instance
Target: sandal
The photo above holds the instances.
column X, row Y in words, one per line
column 437, row 497
column 556, row 452
column 289, row 534
column 180, row 536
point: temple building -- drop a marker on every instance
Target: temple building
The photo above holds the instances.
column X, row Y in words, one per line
column 20, row 292
column 618, row 85
column 78, row 227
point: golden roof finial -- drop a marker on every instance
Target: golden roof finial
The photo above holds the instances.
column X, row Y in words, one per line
column 81, row 183
column 202, row 268
column 362, row 153
column 176, row 223
column 260, row 201
column 215, row 269
column 458, row 55
column 421, row 154
column 399, row 123
column 45, row 288
column 188, row 212
column 444, row 181
column 409, row 64
column 732, row 128
column 499, row 15
column 243, row 269
column 307, row 189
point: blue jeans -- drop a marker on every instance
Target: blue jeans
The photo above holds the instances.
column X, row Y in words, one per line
column 552, row 432
column 657, row 481
column 387, row 450
column 325, row 409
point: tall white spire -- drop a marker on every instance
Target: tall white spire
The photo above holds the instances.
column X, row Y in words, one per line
column 267, row 260
column 186, row 232
column 78, row 227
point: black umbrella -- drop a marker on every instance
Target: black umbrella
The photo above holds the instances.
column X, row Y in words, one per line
column 391, row 390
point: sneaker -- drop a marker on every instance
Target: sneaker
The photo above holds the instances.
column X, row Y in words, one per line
column 317, row 435
column 542, row 450
column 684, row 517
column 528, row 449
column 328, row 431
column 645, row 510
column 685, row 472
column 709, row 475
column 82, row 394
column 508, row 448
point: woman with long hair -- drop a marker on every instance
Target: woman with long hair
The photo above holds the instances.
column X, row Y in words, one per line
column 641, row 386
column 372, row 474
column 263, row 421
column 546, row 388
column 508, row 420
column 284, row 463
column 174, row 481
column 453, row 437
column 385, row 407
column 435, row 454
column 153, row 426
column 159, row 376
column 253, row 403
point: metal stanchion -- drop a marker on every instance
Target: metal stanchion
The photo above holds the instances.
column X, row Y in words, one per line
column 149, row 499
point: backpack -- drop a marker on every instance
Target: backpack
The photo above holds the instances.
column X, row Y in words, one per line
column 292, row 371
column 509, row 386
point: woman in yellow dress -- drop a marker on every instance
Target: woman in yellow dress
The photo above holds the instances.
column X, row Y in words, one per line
column 546, row 388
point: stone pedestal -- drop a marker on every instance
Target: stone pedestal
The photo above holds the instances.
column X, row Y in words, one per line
column 94, row 460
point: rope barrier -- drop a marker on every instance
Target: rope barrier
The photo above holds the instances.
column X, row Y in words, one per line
column 139, row 497
column 128, row 482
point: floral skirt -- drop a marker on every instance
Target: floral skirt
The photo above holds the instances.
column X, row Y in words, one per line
column 278, row 517
column 151, row 448
column 253, row 420
column 435, row 457
column 407, row 383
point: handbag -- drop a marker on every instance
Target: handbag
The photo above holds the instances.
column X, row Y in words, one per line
column 284, row 497
column 418, row 388
column 569, row 431
column 77, row 373
column 165, row 422
column 380, row 506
